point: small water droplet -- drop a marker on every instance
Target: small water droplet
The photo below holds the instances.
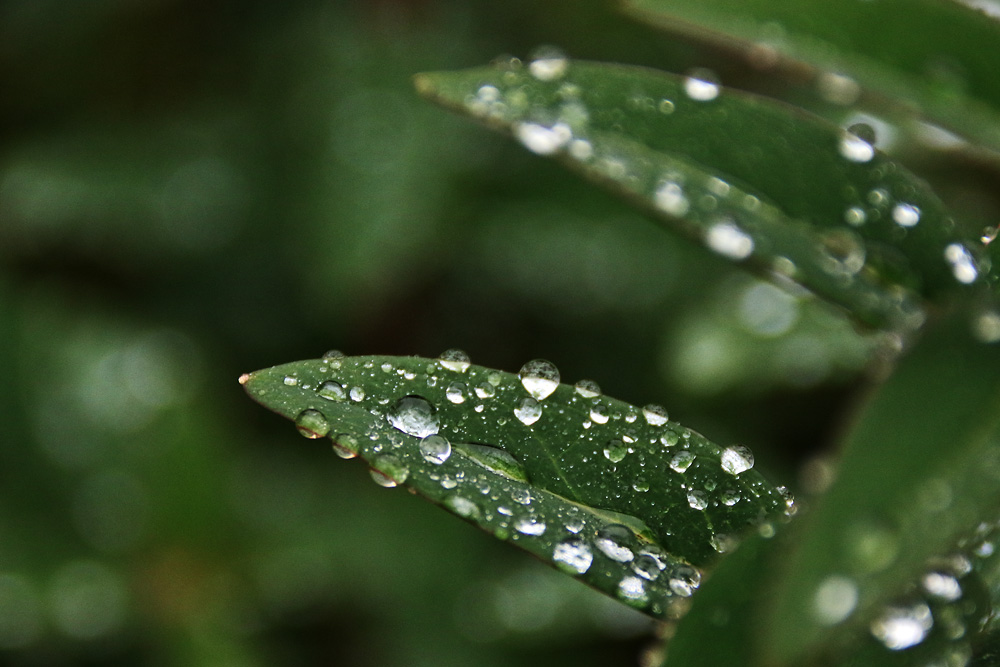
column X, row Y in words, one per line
column 357, row 394
column 697, row 500
column 640, row 485
column 543, row 140
column 986, row 326
column 669, row 198
column 332, row 391
column 312, row 424
column 855, row 216
column 529, row 526
column 701, row 84
column 729, row 240
column 666, row 106
column 682, row 461
column 540, row 378
column 963, row 266
column 548, row 64
column 455, row 393
column 669, row 439
column 656, row 415
column 906, row 215
column 614, row 541
column 615, row 451
column 899, row 628
column 528, row 411
column 856, row 149
column 462, row 506
column 244, row 378
column 588, row 389
column 454, row 360
column 485, row 390
column 414, row 415
column 599, row 414
column 573, row 555
column 730, row 497
column 684, row 580
column 989, row 235
column 291, row 381
column 389, row 471
column 835, row 600
column 647, row 566
column 736, row 459
column 521, row 496
column 435, row 449
column 632, row 590
column 345, row 446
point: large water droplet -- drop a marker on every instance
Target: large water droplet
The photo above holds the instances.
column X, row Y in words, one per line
column 454, row 360
column 548, row 64
column 462, row 506
column 614, row 541
column 899, row 628
column 684, row 580
column 543, row 140
column 485, row 390
column 856, row 149
column 701, row 84
column 573, row 555
column 312, row 424
column 539, row 377
column 906, row 215
column 414, row 415
column 599, row 414
column 963, row 267
column 332, row 391
column 632, row 590
column 494, row 459
column 656, row 415
column 682, row 461
column 588, row 389
column 455, row 393
column 435, row 449
column 942, row 586
column 669, row 198
column 389, row 471
column 346, row 446
column 729, row 240
column 528, row 411
column 647, row 566
column 697, row 500
column 529, row 526
column 737, row 459
column 615, row 451
column 835, row 600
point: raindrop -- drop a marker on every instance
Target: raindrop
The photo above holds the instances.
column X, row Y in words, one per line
column 906, row 215
column 543, row 140
column 730, row 497
column 669, row 439
column 669, row 198
column 291, row 381
column 835, row 600
column 521, row 496
column 485, row 390
column 389, row 471
column 684, row 580
column 588, row 389
column 855, row 216
column 943, row 586
column 640, row 485
column 312, row 424
column 737, row 459
column 333, row 355
column 963, row 267
column 899, row 628
column 647, row 566
column 548, row 64
column 332, row 391
column 528, row 411
column 495, row 460
column 682, row 461
column 613, row 541
column 856, row 149
column 414, row 415
column 455, row 393
column 387, row 367
column 701, row 85
column 462, row 506
column 599, row 414
column 529, row 526
column 454, row 360
column 633, row 590
column 615, row 451
column 845, row 251
column 357, row 394
column 539, row 377
column 655, row 415
column 697, row 500
column 345, row 446
column 435, row 449
column 573, row 555
column 729, row 240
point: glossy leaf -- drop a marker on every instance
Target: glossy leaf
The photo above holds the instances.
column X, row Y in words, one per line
column 754, row 180
column 937, row 56
column 920, row 471
column 631, row 503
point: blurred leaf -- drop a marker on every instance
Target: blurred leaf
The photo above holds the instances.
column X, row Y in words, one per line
column 919, row 471
column 623, row 497
column 753, row 179
column 940, row 57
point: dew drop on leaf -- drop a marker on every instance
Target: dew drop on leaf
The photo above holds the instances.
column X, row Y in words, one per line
column 599, row 414
column 736, row 459
column 529, row 526
column 856, row 149
column 485, row 390
column 614, row 541
column 669, row 198
column 682, row 461
column 543, row 140
column 455, row 393
column 655, row 415
column 548, row 64
column 906, row 215
column 899, row 628
column 332, row 391
column 963, row 267
column 539, row 377
column 729, row 240
column 389, row 471
column 414, row 415
column 312, row 424
column 455, row 360
column 684, row 580
column 588, row 389
column 435, row 449
column 345, row 446
column 462, row 506
column 942, row 586
column 615, row 451
column 701, row 84
column 573, row 555
column 633, row 590
column 646, row 566
column 528, row 411
column 357, row 394
column 697, row 500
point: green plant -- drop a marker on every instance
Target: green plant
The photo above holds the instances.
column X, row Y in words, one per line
column 894, row 562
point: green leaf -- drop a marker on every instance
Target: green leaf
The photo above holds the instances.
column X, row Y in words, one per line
column 920, row 471
column 756, row 181
column 938, row 57
column 630, row 502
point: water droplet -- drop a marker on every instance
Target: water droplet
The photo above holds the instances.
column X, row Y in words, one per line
column 462, row 506
column 633, row 590
column 942, row 585
column 656, row 415
column 540, row 378
column 414, row 415
column 730, row 497
column 387, row 367
column 963, row 267
column 244, row 378
column 345, row 446
column 357, row 394
column 737, row 459
column 647, row 566
column 529, row 526
column 389, row 471
column 899, row 628
column 581, row 149
column 291, row 381
column 543, row 140
column 312, row 424
column 729, row 240
column 333, row 355
column 613, row 541
column 528, row 411
column 435, row 449
column 669, row 198
column 640, row 485
column 844, row 251
column 615, row 451
column 906, row 215
column 548, row 64
column 599, row 414
column 989, row 235
column 485, row 390
column 494, row 459
column 682, row 461
column 454, row 360
column 455, row 393
column 521, row 496
column 986, row 327
column 701, row 84
column 856, row 149
column 573, row 555
column 332, row 391
column 669, row 439
column 835, row 600
column 697, row 500
column 666, row 106
column 855, row 216
column 684, row 580
column 588, row 389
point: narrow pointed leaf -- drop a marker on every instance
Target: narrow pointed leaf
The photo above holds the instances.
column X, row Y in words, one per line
column 937, row 56
column 631, row 503
column 756, row 181
column 920, row 472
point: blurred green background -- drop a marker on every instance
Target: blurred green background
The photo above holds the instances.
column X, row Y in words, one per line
column 191, row 190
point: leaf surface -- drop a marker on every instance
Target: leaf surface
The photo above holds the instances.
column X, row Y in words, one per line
column 630, row 502
column 756, row 181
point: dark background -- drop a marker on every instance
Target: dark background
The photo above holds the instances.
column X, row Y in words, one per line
column 192, row 190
